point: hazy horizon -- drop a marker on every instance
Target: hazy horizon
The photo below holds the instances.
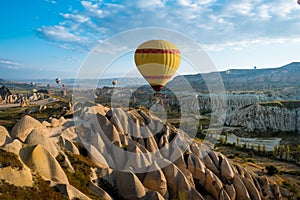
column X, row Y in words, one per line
column 54, row 38
column 19, row 79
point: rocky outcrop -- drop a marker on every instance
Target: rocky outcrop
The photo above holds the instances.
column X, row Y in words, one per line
column 18, row 177
column 40, row 160
column 4, row 92
column 4, row 136
column 132, row 158
column 264, row 117
column 23, row 127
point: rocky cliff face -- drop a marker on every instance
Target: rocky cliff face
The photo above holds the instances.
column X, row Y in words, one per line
column 4, row 92
column 250, row 111
column 265, row 117
column 133, row 153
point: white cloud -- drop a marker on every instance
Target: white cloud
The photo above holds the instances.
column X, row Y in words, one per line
column 9, row 64
column 150, row 3
column 60, row 33
column 93, row 9
column 194, row 3
column 51, row 1
column 76, row 18
column 238, row 45
column 213, row 22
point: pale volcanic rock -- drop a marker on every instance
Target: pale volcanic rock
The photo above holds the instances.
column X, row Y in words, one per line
column 71, row 192
column 109, row 130
column 68, row 145
column 241, row 190
column 4, row 136
column 18, row 177
column 230, row 191
column 226, row 170
column 40, row 160
column 55, row 122
column 153, row 195
column 210, row 165
column 253, row 192
column 99, row 191
column 23, row 127
column 129, row 185
column 213, row 185
column 14, row 147
column 40, row 136
column 156, row 180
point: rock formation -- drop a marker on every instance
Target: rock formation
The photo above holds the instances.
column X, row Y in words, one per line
column 119, row 152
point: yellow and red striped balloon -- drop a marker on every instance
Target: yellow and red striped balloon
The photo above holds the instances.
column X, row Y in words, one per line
column 157, row 61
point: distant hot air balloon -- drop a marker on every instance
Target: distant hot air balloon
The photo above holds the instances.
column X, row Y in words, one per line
column 57, row 80
column 157, row 61
column 114, row 82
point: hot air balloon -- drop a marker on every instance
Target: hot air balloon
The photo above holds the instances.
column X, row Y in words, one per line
column 57, row 80
column 157, row 61
column 114, row 82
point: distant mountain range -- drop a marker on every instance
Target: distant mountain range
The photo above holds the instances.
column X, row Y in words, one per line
column 233, row 80
column 246, row 79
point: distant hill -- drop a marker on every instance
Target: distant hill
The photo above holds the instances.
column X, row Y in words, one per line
column 247, row 79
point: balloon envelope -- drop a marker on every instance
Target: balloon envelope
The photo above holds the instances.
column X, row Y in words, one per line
column 57, row 80
column 114, row 82
column 157, row 61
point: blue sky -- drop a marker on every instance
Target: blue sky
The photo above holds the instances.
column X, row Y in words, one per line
column 49, row 38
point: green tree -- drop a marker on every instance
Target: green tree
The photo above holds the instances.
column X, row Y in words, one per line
column 275, row 151
column 298, row 153
column 259, row 148
column 281, row 150
column 226, row 137
column 287, row 152
column 264, row 150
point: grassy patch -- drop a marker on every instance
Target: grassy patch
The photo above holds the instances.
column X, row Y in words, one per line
column 41, row 191
column 9, row 159
column 81, row 178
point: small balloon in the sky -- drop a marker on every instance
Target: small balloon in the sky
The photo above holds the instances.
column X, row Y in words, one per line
column 114, row 82
column 57, row 80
